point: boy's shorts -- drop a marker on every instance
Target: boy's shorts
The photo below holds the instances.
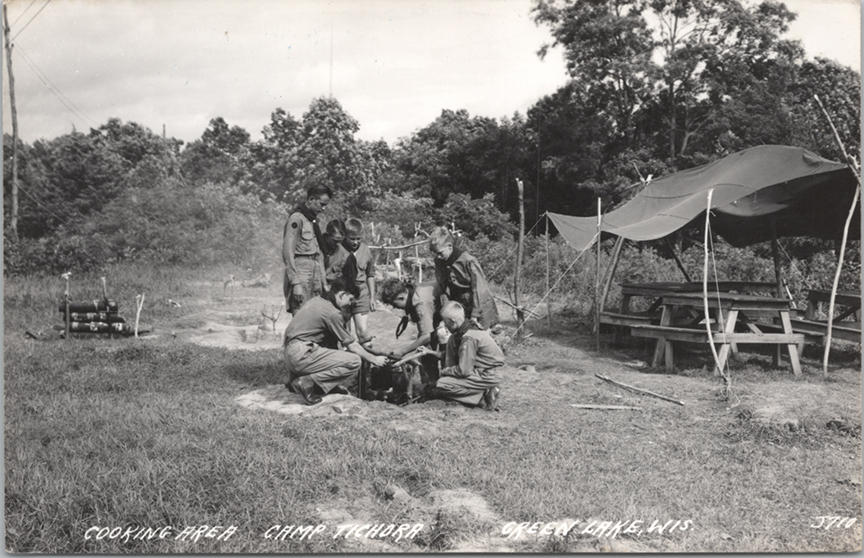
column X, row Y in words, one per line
column 363, row 303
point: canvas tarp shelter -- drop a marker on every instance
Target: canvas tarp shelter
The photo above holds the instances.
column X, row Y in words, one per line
column 758, row 193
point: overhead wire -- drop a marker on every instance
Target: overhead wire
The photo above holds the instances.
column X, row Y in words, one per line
column 31, row 20
column 77, row 112
column 22, row 13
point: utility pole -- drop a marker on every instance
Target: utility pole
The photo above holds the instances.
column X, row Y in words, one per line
column 331, row 52
column 14, row 218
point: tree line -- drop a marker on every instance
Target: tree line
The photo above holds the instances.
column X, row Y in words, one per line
column 655, row 86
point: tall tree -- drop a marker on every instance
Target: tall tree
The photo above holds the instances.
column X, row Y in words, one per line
column 220, row 156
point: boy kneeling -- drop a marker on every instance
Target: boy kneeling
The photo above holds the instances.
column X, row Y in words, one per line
column 312, row 340
column 470, row 360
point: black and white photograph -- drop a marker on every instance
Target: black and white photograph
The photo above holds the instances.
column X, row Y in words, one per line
column 432, row 276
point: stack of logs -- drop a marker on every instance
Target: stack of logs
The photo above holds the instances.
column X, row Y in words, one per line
column 93, row 316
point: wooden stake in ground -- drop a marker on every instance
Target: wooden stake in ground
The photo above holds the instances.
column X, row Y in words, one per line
column 139, row 302
column 517, row 291
column 65, row 276
column 105, row 300
column 854, row 167
column 276, row 312
column 639, row 390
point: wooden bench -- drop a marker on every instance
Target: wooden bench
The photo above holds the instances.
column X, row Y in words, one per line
column 623, row 321
column 847, row 331
column 618, row 319
column 668, row 334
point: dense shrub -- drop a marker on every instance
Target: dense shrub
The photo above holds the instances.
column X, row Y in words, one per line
column 165, row 224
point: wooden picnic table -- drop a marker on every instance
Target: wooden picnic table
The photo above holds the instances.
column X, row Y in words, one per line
column 626, row 317
column 729, row 310
column 841, row 326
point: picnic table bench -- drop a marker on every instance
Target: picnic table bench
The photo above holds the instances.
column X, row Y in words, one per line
column 841, row 328
column 626, row 318
column 730, row 310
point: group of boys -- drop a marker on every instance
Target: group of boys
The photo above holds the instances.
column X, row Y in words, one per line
column 330, row 277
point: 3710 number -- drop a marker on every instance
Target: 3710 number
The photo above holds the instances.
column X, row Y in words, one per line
column 826, row 522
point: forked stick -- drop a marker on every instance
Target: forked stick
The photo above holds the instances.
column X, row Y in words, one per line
column 139, row 301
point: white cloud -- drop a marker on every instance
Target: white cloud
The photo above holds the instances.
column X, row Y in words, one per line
column 396, row 63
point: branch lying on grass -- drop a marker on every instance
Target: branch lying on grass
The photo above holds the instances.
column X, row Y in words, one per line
column 638, row 390
column 607, row 407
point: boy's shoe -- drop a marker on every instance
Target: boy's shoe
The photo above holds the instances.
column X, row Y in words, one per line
column 340, row 390
column 490, row 399
column 305, row 386
column 290, row 381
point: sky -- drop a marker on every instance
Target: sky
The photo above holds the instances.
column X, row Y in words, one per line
column 394, row 65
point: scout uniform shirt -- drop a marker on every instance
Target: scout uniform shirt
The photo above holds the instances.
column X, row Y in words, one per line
column 365, row 266
column 300, row 242
column 421, row 308
column 464, row 282
column 475, row 354
column 319, row 322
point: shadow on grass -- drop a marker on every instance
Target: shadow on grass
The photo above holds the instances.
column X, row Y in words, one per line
column 257, row 373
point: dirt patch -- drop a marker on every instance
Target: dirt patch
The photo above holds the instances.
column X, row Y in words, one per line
column 790, row 404
column 249, row 338
column 278, row 399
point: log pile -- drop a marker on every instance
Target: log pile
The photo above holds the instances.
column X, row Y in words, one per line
column 93, row 316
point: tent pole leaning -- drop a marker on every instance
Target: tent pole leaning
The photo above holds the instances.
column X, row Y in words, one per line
column 678, row 260
column 548, row 304
column 597, row 275
column 854, row 167
column 610, row 271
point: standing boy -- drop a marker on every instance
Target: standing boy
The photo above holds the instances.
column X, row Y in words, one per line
column 355, row 260
column 301, row 249
column 333, row 238
column 460, row 278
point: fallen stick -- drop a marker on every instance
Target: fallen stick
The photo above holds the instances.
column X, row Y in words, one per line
column 638, row 390
column 607, row 407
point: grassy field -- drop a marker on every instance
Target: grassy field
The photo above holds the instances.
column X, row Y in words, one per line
column 143, row 445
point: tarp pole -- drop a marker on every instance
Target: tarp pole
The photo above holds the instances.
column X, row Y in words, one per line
column 597, row 275
column 707, row 311
column 610, row 271
column 854, row 167
column 548, row 305
column 517, row 287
